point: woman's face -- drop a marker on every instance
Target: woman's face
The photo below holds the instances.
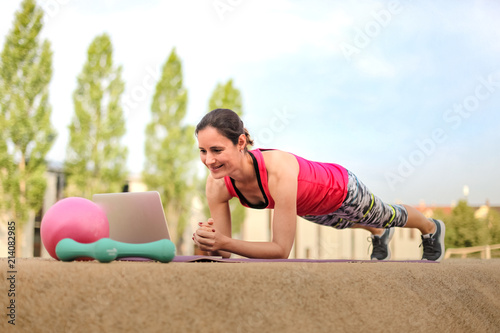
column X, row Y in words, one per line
column 217, row 152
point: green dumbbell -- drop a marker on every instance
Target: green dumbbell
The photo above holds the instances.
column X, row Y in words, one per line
column 106, row 250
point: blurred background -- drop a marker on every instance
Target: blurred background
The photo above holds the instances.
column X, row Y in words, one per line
column 103, row 96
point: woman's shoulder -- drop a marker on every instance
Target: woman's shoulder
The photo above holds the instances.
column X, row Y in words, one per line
column 280, row 161
column 276, row 154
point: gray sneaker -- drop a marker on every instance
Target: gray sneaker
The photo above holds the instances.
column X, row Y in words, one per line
column 381, row 250
column 434, row 243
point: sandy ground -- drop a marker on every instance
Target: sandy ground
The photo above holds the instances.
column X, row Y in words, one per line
column 453, row 296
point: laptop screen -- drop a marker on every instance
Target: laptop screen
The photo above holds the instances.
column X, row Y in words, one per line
column 134, row 217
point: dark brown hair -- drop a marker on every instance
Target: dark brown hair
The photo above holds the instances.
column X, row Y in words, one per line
column 227, row 123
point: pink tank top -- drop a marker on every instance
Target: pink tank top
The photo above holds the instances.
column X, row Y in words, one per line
column 322, row 187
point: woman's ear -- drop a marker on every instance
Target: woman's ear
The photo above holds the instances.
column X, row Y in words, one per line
column 242, row 142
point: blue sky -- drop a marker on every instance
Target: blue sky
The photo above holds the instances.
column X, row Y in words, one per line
column 406, row 94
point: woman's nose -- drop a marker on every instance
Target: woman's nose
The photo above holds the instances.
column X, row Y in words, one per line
column 209, row 158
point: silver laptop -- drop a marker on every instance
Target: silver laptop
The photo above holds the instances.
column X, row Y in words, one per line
column 134, row 217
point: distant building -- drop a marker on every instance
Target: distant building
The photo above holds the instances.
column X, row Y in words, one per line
column 482, row 211
column 56, row 183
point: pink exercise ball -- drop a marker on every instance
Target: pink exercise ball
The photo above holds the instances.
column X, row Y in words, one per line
column 77, row 218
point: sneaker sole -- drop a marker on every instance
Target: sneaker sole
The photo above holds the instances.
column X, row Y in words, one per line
column 389, row 238
column 441, row 238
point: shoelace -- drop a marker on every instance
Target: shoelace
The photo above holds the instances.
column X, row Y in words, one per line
column 369, row 239
column 428, row 244
column 375, row 242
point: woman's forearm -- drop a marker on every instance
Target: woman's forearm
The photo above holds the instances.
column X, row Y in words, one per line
column 262, row 250
column 220, row 253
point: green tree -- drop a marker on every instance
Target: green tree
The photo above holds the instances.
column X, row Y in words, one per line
column 493, row 224
column 25, row 128
column 95, row 160
column 170, row 148
column 226, row 96
column 439, row 214
column 463, row 229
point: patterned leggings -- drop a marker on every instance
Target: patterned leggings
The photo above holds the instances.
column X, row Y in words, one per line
column 363, row 208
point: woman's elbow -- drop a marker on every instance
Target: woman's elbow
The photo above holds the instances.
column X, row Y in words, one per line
column 283, row 253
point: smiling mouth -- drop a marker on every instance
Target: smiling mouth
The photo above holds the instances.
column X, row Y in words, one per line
column 216, row 168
